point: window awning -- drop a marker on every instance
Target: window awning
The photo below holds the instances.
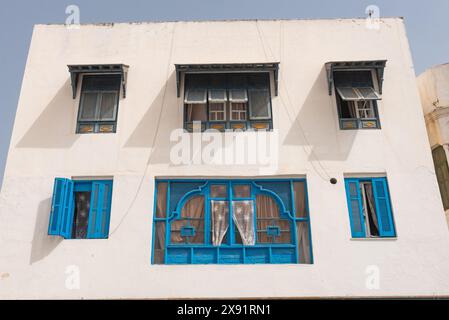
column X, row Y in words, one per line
column 354, row 93
column 377, row 65
column 227, row 68
column 76, row 70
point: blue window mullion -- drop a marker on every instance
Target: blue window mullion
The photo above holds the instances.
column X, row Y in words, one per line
column 207, row 215
column 231, row 220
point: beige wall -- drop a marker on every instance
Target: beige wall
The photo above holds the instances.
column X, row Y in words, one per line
column 44, row 146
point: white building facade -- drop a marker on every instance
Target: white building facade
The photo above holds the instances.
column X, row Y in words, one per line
column 283, row 158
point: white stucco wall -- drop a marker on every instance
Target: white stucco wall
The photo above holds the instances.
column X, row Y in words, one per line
column 33, row 265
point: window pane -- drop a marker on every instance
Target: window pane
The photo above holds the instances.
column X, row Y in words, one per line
column 259, row 101
column 219, row 191
column 88, row 106
column 196, row 96
column 242, row 191
column 159, row 243
column 219, row 221
column 243, row 216
column 347, row 93
column 217, row 95
column 81, row 216
column 368, row 93
column 304, row 252
column 269, row 219
column 192, row 216
column 196, row 112
column 299, row 194
column 107, row 107
column 161, row 205
column 238, row 95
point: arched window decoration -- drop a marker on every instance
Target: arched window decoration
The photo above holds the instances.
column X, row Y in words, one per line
column 231, row 222
column 189, row 228
column 271, row 227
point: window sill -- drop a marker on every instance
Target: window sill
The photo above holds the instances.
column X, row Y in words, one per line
column 375, row 239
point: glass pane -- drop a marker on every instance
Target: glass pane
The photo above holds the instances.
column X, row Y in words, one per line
column 268, row 217
column 348, row 93
column 299, row 194
column 196, row 112
column 106, row 128
column 238, row 95
column 259, row 104
column 219, row 221
column 107, row 107
column 159, row 243
column 196, row 96
column 218, row 191
column 88, row 105
column 86, row 128
column 81, row 214
column 304, row 249
column 217, row 95
column 243, row 216
column 161, row 205
column 368, row 93
column 192, row 216
column 242, row 191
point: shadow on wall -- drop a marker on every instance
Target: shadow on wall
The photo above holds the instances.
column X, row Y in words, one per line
column 148, row 131
column 54, row 127
column 318, row 118
column 42, row 244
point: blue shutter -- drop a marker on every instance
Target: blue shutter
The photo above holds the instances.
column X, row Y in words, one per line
column 100, row 208
column 56, row 213
column 67, row 211
column 383, row 208
column 356, row 217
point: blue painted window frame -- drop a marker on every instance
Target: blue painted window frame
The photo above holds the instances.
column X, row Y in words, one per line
column 276, row 253
column 63, row 207
column 382, row 201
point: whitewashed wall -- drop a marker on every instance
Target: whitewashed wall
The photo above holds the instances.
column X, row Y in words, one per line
column 33, row 265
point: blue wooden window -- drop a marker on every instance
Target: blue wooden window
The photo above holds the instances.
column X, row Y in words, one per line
column 222, row 101
column 369, row 205
column 80, row 209
column 221, row 221
column 356, row 99
column 99, row 104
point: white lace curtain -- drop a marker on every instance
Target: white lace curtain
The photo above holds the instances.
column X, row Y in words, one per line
column 220, row 220
column 243, row 216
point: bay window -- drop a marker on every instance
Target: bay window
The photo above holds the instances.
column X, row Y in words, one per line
column 231, row 222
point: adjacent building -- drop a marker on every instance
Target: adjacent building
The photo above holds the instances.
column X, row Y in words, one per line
column 277, row 158
column 433, row 85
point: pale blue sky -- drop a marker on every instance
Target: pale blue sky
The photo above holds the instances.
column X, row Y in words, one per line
column 427, row 27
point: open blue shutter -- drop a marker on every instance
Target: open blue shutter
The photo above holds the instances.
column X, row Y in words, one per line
column 99, row 210
column 384, row 215
column 56, row 213
column 355, row 208
column 67, row 211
